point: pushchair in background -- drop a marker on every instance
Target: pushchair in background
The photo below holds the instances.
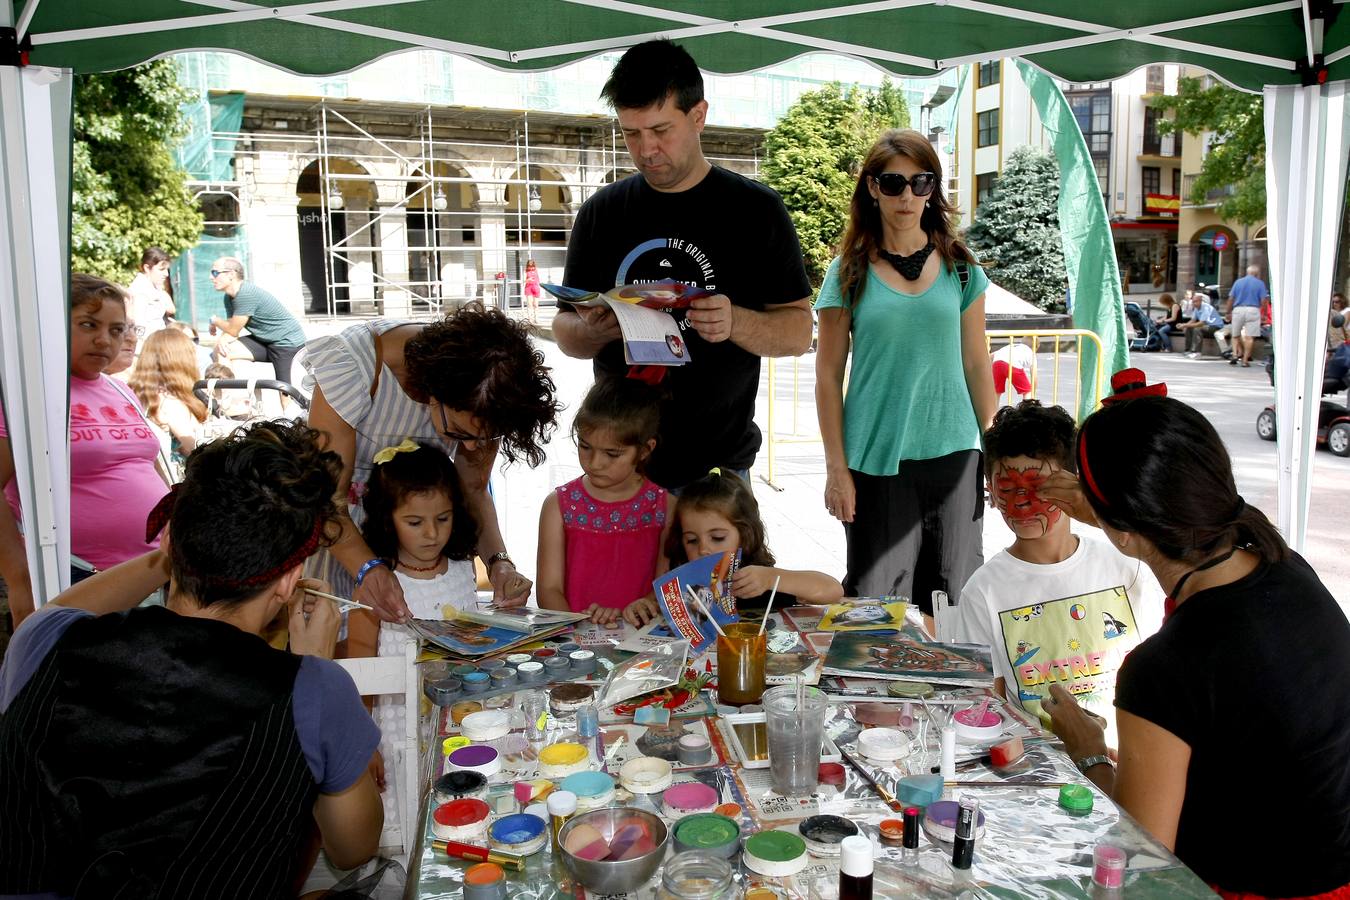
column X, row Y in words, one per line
column 1147, row 336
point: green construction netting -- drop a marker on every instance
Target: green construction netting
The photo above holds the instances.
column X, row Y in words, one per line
column 203, row 156
column 1246, row 42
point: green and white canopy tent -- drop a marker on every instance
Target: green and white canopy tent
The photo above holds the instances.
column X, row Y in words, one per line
column 1296, row 51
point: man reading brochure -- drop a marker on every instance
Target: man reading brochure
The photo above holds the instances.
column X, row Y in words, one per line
column 681, row 217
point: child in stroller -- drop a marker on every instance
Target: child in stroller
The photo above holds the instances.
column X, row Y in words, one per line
column 1147, row 336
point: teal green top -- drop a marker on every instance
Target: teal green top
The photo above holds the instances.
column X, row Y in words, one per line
column 268, row 320
column 907, row 396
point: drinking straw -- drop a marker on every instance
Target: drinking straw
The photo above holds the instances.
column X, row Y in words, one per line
column 769, row 606
column 340, row 601
column 703, row 609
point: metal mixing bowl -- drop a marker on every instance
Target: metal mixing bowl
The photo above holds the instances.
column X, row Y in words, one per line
column 605, row 876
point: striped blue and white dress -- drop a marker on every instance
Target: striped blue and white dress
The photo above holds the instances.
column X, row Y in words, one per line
column 343, row 365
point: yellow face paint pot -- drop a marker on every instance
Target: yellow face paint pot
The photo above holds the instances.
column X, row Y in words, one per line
column 561, row 760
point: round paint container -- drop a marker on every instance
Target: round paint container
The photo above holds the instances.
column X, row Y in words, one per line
column 461, row 710
column 646, row 775
column 884, row 745
column 988, row 727
column 556, row 667
column 544, row 653
column 824, row 833
column 708, row 833
column 486, row 725
column 1076, row 798
column 479, row 758
column 463, row 669
column 453, row 743
column 476, row 682
column 730, row 810
column 569, row 647
column 883, row 714
column 688, row 799
column 694, row 750
column 516, row 659
column 939, row 820
column 775, row 854
column 538, row 810
column 892, row 832
column 832, row 774
column 913, row 690
column 491, row 665
column 521, row 833
column 588, row 721
column 563, row 759
column 444, row 691
column 459, row 784
column 461, row 820
column 566, row 699
column 485, row 881
column 582, row 661
column 593, row 789
column 503, row 678
column 530, row 672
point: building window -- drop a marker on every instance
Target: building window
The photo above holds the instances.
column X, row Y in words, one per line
column 1155, row 78
column 984, row 186
column 1152, row 140
column 1093, row 114
column 991, row 72
column 987, row 125
column 1103, row 167
column 1176, row 182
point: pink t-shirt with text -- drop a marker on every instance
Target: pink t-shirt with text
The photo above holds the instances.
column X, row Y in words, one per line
column 114, row 484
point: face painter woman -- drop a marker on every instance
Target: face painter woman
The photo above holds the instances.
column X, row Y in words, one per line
column 903, row 471
column 170, row 751
column 1234, row 719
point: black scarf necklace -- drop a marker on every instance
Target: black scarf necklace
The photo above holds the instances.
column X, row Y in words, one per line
column 910, row 267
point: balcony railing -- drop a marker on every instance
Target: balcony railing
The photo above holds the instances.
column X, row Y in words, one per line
column 1161, row 145
column 1211, row 196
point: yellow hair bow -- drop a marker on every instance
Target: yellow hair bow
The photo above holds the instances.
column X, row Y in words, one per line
column 388, row 453
column 715, row 471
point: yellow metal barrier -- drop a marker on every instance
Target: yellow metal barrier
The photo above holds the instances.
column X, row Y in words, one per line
column 1058, row 339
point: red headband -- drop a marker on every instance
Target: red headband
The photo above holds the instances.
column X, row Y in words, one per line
column 159, row 517
column 1087, row 472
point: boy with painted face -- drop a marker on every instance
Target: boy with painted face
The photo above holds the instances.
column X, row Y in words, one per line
column 1056, row 607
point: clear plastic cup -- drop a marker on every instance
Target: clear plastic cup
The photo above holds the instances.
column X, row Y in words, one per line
column 796, row 733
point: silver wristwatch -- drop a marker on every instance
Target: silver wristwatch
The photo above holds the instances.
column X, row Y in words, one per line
column 1088, row 762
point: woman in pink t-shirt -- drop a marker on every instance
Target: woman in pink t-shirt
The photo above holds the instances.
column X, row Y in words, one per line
column 113, row 481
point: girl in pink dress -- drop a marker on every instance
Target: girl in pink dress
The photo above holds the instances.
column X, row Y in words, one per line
column 601, row 535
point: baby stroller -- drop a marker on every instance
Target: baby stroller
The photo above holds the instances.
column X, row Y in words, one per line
column 1333, row 419
column 1147, row 336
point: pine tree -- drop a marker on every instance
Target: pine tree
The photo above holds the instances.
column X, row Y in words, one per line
column 1015, row 233
column 814, row 153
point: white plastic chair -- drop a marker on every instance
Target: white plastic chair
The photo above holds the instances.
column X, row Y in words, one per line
column 378, row 675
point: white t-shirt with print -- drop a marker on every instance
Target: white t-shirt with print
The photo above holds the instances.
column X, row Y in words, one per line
column 1069, row 623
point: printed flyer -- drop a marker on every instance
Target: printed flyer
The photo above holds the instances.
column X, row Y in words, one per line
column 651, row 336
column 709, row 581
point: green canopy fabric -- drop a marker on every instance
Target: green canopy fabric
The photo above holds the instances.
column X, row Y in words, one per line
column 1246, row 43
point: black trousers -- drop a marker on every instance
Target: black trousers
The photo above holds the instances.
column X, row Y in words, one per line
column 918, row 531
column 280, row 357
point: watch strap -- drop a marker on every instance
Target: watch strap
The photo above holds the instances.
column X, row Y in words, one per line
column 1088, row 762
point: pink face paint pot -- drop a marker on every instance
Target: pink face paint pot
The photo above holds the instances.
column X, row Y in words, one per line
column 688, row 799
column 985, row 728
column 1108, row 866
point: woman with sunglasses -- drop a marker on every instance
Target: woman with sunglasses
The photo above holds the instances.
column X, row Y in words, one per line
column 902, row 453
column 470, row 383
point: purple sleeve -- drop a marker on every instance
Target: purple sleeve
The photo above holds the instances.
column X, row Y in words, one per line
column 30, row 646
column 336, row 733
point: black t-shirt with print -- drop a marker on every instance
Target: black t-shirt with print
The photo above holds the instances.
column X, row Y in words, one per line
column 1255, row 677
column 727, row 234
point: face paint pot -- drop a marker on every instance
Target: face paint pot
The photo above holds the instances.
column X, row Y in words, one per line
column 824, row 833
column 460, row 784
column 775, row 854
column 708, row 833
column 461, row 820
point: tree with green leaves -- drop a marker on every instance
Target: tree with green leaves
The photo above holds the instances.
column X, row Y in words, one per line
column 1237, row 151
column 813, row 156
column 127, row 192
column 1016, row 230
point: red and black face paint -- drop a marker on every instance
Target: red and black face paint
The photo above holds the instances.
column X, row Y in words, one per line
column 1016, row 495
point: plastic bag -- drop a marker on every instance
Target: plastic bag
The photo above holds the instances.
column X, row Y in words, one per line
column 651, row 670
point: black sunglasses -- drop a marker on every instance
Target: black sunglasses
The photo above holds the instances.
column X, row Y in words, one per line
column 459, row 436
column 892, row 184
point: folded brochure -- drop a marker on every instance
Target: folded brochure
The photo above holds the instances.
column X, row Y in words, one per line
column 651, row 335
column 709, row 580
column 865, row 614
column 470, row 633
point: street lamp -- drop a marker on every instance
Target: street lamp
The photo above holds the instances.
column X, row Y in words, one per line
column 439, row 200
column 334, row 198
column 536, row 202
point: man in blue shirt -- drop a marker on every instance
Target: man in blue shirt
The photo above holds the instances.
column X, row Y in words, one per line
column 1205, row 322
column 1244, row 311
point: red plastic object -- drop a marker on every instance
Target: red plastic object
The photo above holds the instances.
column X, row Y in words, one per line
column 1006, row 753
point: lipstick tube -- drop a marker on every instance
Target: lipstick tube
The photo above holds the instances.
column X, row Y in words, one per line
column 475, row 853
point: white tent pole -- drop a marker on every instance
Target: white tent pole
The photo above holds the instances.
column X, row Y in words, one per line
column 34, row 348
column 26, row 18
column 1307, row 143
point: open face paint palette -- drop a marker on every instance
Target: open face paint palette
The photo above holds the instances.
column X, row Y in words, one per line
column 708, row 833
column 688, row 799
column 461, row 820
column 824, row 833
column 939, row 821
column 563, row 759
column 646, row 775
column 521, row 833
column 593, row 789
column 747, row 737
column 458, row 784
column 977, row 724
column 479, row 758
column 775, row 854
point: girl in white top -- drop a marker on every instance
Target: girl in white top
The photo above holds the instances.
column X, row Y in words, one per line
column 150, row 292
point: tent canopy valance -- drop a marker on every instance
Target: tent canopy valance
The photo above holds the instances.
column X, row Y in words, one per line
column 1246, row 43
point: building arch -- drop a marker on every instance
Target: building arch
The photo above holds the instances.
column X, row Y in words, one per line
column 444, row 229
column 335, row 269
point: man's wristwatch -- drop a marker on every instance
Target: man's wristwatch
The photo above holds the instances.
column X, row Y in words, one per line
column 499, row 556
column 1089, row 762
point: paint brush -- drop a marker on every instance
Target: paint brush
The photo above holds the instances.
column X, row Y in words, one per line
column 768, row 607
column 895, row 805
column 703, row 609
column 340, row 601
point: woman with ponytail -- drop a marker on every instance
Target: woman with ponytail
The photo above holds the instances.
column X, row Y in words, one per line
column 1249, row 669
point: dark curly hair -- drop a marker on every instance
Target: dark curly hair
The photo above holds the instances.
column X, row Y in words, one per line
column 480, row 361
column 1156, row 467
column 630, row 410
column 726, row 494
column 1029, row 429
column 246, row 503
column 419, row 471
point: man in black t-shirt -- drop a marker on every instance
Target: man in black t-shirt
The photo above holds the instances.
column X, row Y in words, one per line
column 682, row 218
